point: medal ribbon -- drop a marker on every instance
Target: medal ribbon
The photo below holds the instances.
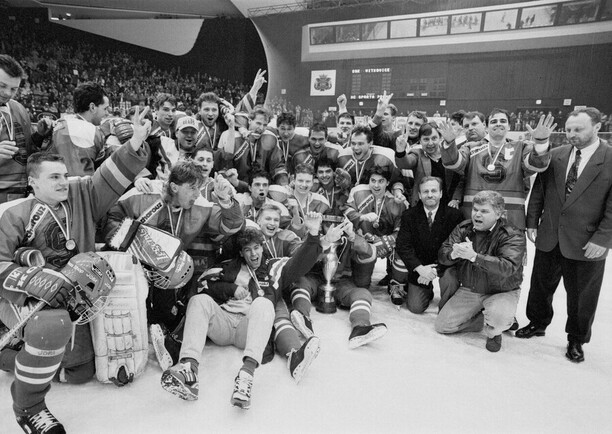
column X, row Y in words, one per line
column 496, row 155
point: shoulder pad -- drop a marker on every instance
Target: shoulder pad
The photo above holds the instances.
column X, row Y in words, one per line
column 268, row 140
column 379, row 150
column 286, row 235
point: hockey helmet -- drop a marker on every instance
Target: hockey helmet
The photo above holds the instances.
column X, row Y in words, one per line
column 176, row 275
column 93, row 279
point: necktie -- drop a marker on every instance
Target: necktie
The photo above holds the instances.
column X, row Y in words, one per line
column 572, row 175
column 430, row 218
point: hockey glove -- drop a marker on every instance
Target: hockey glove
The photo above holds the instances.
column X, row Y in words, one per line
column 47, row 285
column 342, row 179
column 384, row 245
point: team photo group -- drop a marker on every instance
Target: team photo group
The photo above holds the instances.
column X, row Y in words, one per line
column 233, row 223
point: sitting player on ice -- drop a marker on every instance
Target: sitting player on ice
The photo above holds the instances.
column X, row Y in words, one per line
column 351, row 292
column 377, row 214
column 182, row 211
column 240, row 309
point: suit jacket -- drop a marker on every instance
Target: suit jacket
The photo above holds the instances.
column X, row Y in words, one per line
column 418, row 161
column 417, row 244
column 586, row 214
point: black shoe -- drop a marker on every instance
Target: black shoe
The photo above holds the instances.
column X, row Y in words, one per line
column 362, row 335
column 299, row 360
column 384, row 281
column 530, row 330
column 514, row 327
column 494, row 343
column 574, row 352
column 42, row 422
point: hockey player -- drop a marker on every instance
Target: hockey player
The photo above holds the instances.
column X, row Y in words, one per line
column 240, row 310
column 17, row 141
column 251, row 203
column 345, row 123
column 78, row 139
column 376, row 213
column 59, row 221
column 289, row 142
column 351, row 293
column 259, row 149
column 319, row 148
column 181, row 211
column 497, row 163
column 304, row 200
column 325, row 185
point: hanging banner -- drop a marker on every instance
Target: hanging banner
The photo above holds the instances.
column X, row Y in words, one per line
column 323, row 83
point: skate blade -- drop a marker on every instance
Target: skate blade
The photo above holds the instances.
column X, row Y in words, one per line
column 170, row 384
column 161, row 353
column 375, row 333
column 310, row 353
column 298, row 322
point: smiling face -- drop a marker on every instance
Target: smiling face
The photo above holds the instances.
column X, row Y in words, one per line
column 498, row 126
column 209, row 112
column 50, row 183
column 345, row 124
column 378, row 185
column 184, row 195
column 165, row 114
column 580, row 130
column 204, row 159
column 303, row 183
column 431, row 143
column 325, row 175
column 187, row 138
column 414, row 125
column 252, row 254
column 259, row 188
column 430, row 194
column 8, row 86
column 317, row 141
column 484, row 216
column 269, row 222
column 360, row 146
column 475, row 129
column 286, row 131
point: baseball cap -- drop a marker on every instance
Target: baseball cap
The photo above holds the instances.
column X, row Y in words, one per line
column 185, row 122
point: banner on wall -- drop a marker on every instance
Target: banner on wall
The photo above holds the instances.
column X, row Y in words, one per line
column 323, row 83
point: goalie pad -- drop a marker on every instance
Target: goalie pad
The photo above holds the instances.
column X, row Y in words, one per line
column 119, row 333
column 153, row 247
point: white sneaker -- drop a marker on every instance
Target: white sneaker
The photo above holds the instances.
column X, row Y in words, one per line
column 242, row 390
column 161, row 353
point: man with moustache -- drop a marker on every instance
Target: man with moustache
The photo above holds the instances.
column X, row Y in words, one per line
column 17, row 141
column 570, row 220
column 488, row 254
column 497, row 163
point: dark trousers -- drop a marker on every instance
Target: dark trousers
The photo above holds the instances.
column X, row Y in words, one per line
column 582, row 281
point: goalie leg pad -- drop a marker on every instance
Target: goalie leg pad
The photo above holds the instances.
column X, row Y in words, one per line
column 120, row 334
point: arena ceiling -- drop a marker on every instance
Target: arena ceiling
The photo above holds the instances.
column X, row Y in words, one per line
column 113, row 9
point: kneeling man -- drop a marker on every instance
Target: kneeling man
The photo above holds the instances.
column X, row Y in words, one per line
column 488, row 254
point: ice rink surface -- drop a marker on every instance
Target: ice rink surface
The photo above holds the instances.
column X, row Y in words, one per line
column 413, row 380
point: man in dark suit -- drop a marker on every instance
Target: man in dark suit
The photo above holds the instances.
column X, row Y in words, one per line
column 570, row 220
column 423, row 229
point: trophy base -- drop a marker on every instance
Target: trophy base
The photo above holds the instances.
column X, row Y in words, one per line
column 326, row 302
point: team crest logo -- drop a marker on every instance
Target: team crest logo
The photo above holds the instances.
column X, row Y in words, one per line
column 323, row 82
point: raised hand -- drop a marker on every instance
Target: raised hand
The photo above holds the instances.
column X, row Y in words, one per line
column 142, row 127
column 259, row 81
column 341, row 100
column 334, row 233
column 342, row 179
column 447, row 131
column 222, row 188
column 383, row 102
column 543, row 129
column 312, row 222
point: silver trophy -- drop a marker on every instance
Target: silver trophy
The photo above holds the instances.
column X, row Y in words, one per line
column 326, row 301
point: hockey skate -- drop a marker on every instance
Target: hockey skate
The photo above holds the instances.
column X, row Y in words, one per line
column 161, row 353
column 42, row 422
column 299, row 360
column 242, row 390
column 302, row 323
column 181, row 380
column 362, row 335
